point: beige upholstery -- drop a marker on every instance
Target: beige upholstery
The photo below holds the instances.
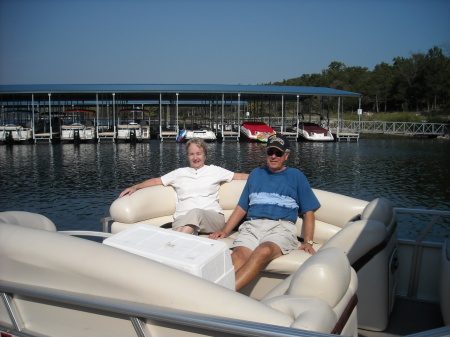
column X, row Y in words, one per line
column 444, row 290
column 27, row 219
column 365, row 231
column 321, row 293
column 53, row 260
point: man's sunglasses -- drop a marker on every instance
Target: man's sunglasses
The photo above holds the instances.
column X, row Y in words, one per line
column 271, row 152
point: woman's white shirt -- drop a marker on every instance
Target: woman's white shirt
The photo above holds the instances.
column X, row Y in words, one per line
column 197, row 188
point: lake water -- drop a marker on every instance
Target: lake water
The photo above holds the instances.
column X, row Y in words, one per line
column 74, row 185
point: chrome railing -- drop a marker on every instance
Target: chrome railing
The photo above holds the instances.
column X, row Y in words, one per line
column 423, row 240
column 139, row 315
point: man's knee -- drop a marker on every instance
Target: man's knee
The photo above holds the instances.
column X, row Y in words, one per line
column 267, row 251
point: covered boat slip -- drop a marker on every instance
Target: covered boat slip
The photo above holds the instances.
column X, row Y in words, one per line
column 164, row 110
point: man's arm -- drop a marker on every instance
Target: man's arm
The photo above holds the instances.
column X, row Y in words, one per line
column 308, row 232
column 240, row 176
column 235, row 217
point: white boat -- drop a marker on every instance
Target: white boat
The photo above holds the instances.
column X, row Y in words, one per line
column 204, row 133
column 12, row 133
column 131, row 132
column 313, row 132
column 135, row 117
column 256, row 131
column 73, row 130
column 77, row 132
column 53, row 283
column 17, row 126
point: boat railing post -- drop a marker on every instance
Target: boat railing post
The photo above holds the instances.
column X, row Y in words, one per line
column 13, row 313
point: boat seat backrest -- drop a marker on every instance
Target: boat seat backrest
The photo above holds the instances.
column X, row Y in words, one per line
column 329, row 284
column 380, row 209
column 156, row 206
column 358, row 238
column 27, row 219
column 145, row 206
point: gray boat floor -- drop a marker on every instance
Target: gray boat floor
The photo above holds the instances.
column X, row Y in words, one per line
column 409, row 317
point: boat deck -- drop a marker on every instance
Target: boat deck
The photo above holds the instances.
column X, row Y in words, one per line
column 106, row 135
column 409, row 317
column 347, row 136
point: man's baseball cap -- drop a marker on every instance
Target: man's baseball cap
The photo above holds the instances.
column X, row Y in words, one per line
column 279, row 142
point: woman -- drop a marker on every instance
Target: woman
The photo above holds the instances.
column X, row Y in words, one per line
column 197, row 188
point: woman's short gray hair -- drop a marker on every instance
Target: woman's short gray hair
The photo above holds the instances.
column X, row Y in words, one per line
column 198, row 142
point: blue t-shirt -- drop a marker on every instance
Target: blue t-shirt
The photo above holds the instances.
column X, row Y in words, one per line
column 282, row 195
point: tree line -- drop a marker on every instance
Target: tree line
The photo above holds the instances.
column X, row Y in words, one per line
column 420, row 83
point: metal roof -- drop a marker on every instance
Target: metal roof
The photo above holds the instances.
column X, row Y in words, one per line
column 185, row 91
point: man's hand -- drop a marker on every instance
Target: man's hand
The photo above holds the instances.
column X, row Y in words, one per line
column 307, row 247
column 218, row 235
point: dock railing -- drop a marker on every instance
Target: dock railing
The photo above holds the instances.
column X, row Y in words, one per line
column 382, row 127
column 379, row 127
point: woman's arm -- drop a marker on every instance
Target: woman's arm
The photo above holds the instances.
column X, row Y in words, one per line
column 148, row 183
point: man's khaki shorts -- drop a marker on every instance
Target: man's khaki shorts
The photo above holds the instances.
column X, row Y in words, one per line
column 254, row 232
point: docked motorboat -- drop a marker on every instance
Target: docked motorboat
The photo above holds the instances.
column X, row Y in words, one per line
column 58, row 283
column 16, row 126
column 12, row 133
column 131, row 132
column 204, row 133
column 313, row 132
column 133, row 117
column 77, row 132
column 78, row 126
column 256, row 131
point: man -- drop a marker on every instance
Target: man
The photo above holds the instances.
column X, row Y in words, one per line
column 272, row 199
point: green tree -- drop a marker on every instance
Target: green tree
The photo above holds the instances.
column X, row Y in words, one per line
column 436, row 74
column 420, row 82
column 382, row 81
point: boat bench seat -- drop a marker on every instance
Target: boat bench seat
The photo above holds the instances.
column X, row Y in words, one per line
column 27, row 219
column 365, row 231
column 319, row 297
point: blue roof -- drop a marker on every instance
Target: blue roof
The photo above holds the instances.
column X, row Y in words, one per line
column 174, row 88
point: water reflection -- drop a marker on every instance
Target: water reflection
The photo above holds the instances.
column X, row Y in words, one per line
column 75, row 185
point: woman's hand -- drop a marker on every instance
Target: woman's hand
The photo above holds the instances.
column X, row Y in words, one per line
column 129, row 191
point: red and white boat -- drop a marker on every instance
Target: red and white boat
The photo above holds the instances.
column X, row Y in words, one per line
column 313, row 132
column 256, row 131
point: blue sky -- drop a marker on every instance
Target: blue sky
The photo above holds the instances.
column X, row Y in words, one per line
column 208, row 41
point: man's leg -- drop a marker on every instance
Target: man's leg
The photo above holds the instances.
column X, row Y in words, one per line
column 240, row 256
column 264, row 253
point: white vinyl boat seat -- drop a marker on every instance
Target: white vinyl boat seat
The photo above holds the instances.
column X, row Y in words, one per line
column 27, row 219
column 365, row 231
column 320, row 296
column 327, row 284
